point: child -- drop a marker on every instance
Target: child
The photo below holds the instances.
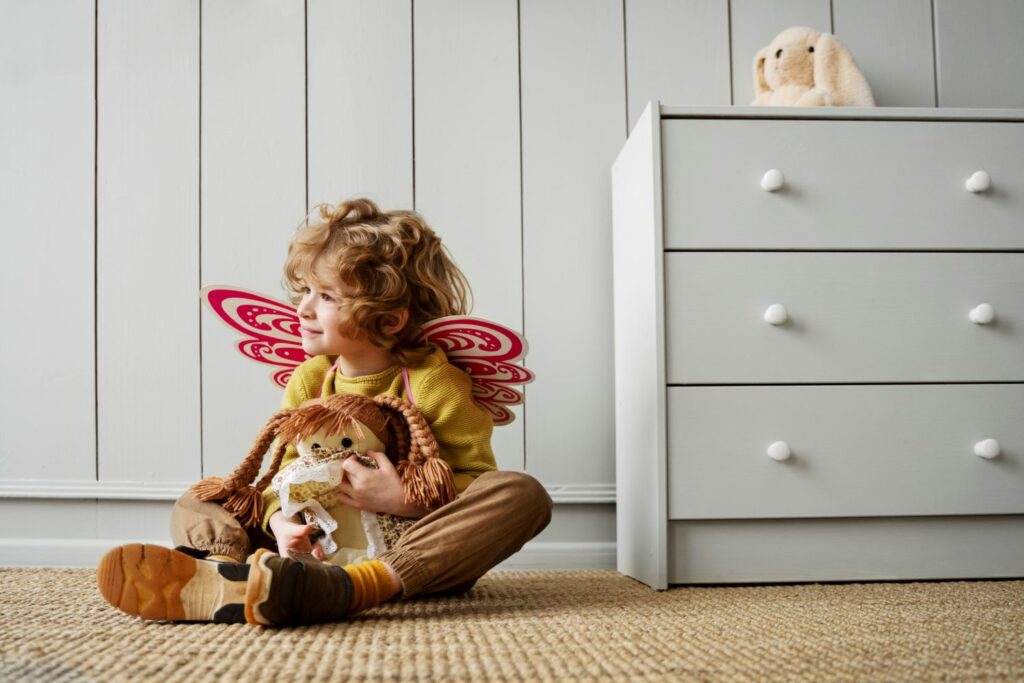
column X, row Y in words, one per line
column 364, row 282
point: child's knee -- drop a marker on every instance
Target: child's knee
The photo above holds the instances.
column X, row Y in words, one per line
column 521, row 490
column 208, row 526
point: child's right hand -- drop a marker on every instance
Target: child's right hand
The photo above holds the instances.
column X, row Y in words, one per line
column 293, row 536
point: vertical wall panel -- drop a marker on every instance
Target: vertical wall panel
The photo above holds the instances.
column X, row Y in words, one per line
column 755, row 23
column 979, row 53
column 253, row 197
column 677, row 52
column 892, row 44
column 47, row 134
column 360, row 101
column 573, row 126
column 148, row 240
column 467, row 156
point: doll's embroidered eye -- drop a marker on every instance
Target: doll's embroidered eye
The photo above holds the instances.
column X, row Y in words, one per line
column 810, row 49
column 778, row 53
column 316, row 445
column 346, row 442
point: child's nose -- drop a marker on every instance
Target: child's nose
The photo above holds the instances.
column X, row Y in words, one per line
column 305, row 307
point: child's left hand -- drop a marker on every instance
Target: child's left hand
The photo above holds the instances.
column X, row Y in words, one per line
column 376, row 490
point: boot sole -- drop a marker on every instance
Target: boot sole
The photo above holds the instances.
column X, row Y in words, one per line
column 156, row 583
column 257, row 589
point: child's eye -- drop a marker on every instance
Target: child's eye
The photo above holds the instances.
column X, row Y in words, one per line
column 326, row 297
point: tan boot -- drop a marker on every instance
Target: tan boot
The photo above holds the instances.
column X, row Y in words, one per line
column 153, row 582
column 303, row 590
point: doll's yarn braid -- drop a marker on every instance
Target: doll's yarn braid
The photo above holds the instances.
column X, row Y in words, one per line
column 236, row 493
column 426, row 477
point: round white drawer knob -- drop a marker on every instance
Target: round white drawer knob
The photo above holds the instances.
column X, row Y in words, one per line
column 988, row 449
column 982, row 314
column 776, row 314
column 773, row 180
column 779, row 451
column 979, row 182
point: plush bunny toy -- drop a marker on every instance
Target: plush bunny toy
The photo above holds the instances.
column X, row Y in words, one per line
column 802, row 67
column 325, row 432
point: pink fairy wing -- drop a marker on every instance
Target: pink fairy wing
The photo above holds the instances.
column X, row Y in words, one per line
column 486, row 351
column 270, row 328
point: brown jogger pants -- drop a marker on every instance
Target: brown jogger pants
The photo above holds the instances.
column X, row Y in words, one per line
column 444, row 552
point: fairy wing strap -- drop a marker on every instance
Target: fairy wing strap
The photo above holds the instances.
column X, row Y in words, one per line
column 485, row 350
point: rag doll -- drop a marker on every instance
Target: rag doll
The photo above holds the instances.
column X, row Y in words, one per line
column 802, row 67
column 325, row 432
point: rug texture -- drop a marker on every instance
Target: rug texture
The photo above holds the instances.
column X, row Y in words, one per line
column 539, row 625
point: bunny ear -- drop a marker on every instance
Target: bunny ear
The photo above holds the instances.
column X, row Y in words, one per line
column 836, row 73
column 760, row 85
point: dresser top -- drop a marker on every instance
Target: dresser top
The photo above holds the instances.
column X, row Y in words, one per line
column 845, row 113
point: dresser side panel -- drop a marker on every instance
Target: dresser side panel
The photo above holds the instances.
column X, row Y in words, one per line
column 639, row 354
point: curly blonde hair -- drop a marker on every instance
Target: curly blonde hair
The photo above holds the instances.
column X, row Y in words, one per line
column 392, row 259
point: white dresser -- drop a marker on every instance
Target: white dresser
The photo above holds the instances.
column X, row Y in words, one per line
column 819, row 344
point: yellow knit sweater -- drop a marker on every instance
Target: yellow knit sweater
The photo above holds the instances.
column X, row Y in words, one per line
column 442, row 393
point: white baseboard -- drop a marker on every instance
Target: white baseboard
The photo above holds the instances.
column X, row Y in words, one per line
column 67, row 552
column 552, row 555
column 58, row 552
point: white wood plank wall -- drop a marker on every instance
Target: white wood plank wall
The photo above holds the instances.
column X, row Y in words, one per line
column 253, row 196
column 147, row 241
column 152, row 148
column 573, row 118
column 47, row 262
column 467, row 175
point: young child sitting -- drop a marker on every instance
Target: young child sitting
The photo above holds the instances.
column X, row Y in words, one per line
column 364, row 282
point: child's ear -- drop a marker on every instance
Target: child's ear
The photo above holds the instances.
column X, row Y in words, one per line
column 394, row 322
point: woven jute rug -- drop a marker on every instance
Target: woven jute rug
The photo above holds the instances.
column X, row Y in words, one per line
column 539, row 625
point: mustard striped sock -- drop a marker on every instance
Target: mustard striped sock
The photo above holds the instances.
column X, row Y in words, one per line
column 371, row 584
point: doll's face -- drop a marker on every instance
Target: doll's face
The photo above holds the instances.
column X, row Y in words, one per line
column 357, row 437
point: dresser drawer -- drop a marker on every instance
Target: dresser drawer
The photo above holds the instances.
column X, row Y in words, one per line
column 852, row 317
column 848, row 184
column 855, row 451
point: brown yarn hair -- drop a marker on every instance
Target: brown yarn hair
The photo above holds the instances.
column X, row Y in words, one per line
column 410, row 445
column 392, row 259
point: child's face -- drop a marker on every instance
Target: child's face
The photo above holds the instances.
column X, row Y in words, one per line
column 322, row 313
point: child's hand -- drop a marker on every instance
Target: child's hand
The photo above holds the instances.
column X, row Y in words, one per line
column 293, row 536
column 376, row 490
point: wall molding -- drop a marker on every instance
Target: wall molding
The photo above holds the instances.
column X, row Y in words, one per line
column 74, row 552
column 581, row 493
column 562, row 494
column 87, row 489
